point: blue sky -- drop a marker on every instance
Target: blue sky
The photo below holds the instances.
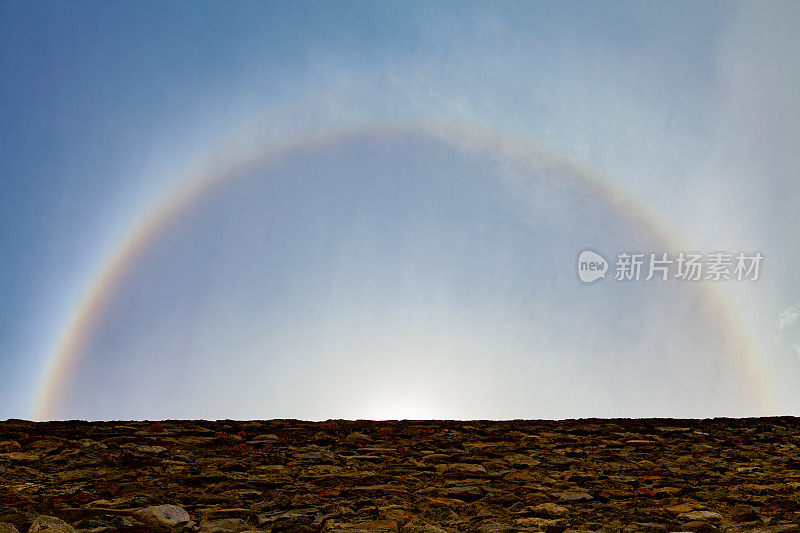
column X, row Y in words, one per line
column 689, row 109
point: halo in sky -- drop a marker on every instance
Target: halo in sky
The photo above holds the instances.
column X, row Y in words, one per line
column 398, row 275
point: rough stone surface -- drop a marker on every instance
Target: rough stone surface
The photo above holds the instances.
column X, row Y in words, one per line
column 162, row 516
column 50, row 524
column 348, row 476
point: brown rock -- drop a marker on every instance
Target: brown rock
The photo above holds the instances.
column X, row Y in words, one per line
column 409, row 476
column 50, row 524
column 19, row 457
column 573, row 496
column 162, row 516
column 779, row 528
column 546, row 510
column 645, row 527
column 224, row 525
column 704, row 516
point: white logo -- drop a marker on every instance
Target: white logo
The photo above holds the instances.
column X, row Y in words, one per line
column 684, row 266
column 591, row 266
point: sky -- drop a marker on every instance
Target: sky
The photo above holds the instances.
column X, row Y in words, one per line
column 375, row 210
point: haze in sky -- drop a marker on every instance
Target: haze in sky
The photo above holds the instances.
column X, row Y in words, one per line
column 376, row 210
